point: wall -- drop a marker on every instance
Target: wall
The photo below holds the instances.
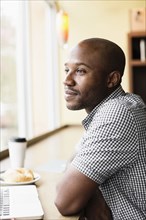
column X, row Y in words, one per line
column 106, row 19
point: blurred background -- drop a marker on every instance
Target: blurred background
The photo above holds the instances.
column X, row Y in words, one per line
column 34, row 46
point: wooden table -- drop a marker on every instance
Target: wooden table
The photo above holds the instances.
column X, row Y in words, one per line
column 46, row 189
column 48, row 158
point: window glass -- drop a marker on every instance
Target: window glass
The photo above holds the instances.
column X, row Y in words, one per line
column 8, row 82
column 44, row 73
column 29, row 75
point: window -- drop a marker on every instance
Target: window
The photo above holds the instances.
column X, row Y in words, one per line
column 29, row 70
column 8, row 101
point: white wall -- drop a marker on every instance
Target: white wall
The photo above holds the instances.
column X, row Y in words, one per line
column 106, row 19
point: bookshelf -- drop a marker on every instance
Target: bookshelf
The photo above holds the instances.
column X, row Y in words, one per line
column 137, row 63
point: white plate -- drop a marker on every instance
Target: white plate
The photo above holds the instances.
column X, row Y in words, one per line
column 36, row 178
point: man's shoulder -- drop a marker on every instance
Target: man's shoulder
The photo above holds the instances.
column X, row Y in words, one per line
column 128, row 101
column 125, row 107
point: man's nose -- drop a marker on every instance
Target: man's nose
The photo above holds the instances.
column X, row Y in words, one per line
column 69, row 79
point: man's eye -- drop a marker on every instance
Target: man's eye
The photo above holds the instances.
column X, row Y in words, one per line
column 81, row 71
column 66, row 70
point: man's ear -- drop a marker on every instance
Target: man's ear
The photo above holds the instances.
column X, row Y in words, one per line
column 114, row 78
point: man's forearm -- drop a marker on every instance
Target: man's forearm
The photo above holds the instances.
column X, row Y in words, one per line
column 96, row 208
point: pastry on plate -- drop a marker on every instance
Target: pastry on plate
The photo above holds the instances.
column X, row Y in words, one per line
column 17, row 175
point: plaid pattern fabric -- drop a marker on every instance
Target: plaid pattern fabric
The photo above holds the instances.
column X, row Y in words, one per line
column 112, row 152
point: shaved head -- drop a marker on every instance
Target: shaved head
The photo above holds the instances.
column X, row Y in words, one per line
column 111, row 56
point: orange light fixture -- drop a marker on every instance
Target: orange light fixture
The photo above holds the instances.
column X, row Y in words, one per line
column 63, row 27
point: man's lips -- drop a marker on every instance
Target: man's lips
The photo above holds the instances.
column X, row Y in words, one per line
column 69, row 93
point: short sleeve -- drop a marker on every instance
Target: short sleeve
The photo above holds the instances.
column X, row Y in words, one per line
column 109, row 145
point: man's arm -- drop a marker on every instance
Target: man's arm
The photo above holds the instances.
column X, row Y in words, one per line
column 74, row 191
column 96, row 208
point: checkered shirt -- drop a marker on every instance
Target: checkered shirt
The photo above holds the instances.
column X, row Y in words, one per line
column 112, row 152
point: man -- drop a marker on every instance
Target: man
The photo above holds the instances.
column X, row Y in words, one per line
column 109, row 167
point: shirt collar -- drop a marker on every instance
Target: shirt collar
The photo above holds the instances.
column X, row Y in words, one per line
column 116, row 93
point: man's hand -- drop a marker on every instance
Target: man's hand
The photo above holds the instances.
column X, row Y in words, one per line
column 96, row 209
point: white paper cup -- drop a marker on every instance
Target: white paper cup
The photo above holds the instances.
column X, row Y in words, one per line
column 17, row 148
